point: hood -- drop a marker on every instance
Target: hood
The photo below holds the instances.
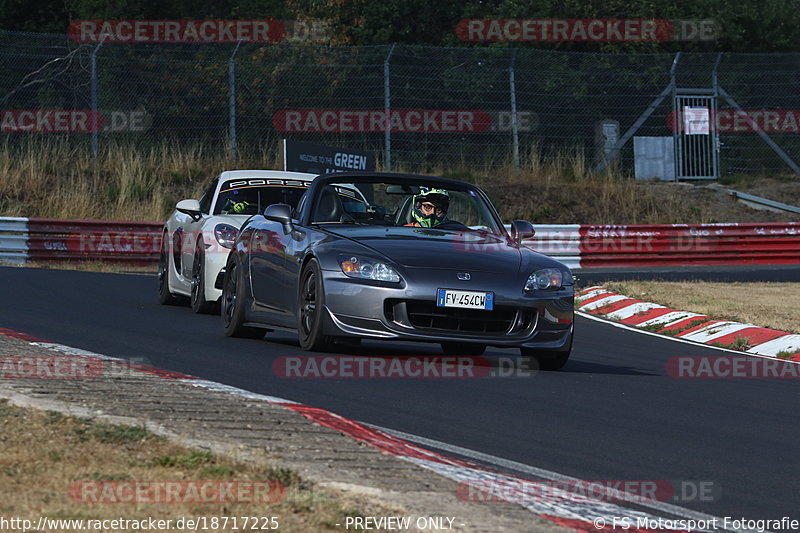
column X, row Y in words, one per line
column 431, row 248
column 237, row 221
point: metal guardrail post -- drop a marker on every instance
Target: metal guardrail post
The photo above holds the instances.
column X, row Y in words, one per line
column 232, row 100
column 93, row 96
column 715, row 130
column 514, row 125
column 387, row 106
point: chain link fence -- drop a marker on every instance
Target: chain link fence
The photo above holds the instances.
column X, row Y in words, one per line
column 445, row 107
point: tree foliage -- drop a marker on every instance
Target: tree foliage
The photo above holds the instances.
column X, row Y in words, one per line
column 741, row 26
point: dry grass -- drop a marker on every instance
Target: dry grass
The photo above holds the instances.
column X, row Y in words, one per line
column 45, row 452
column 770, row 305
column 51, row 178
column 562, row 189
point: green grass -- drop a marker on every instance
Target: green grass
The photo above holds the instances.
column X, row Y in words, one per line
column 741, row 344
column 284, row 476
column 687, row 327
column 116, row 434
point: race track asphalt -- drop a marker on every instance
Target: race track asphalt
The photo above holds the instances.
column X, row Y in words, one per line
column 612, row 413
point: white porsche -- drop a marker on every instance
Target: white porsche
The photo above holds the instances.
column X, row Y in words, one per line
column 198, row 236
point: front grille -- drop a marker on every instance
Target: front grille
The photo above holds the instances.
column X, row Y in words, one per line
column 426, row 315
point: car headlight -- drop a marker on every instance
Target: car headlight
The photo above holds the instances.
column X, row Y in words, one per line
column 225, row 234
column 547, row 278
column 363, row 268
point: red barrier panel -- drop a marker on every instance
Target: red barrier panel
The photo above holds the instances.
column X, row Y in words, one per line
column 94, row 240
column 689, row 259
column 582, row 246
column 55, row 225
column 689, row 244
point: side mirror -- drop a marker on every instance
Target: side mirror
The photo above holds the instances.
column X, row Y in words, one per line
column 280, row 213
column 189, row 207
column 521, row 230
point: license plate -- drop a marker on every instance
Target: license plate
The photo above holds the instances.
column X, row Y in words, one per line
column 465, row 299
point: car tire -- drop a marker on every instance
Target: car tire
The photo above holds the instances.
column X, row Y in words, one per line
column 548, row 359
column 463, row 348
column 232, row 305
column 165, row 297
column 198, row 283
column 310, row 306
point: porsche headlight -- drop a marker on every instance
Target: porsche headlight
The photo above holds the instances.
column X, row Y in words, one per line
column 225, row 234
column 363, row 268
column 547, row 278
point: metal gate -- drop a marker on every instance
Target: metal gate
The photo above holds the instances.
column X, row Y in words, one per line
column 696, row 138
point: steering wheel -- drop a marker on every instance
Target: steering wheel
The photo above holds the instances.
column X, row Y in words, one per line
column 451, row 224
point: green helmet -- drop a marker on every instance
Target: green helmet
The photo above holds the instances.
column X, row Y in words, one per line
column 240, row 207
column 233, row 207
column 421, row 210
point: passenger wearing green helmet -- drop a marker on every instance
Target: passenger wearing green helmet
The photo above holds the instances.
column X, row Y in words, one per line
column 429, row 207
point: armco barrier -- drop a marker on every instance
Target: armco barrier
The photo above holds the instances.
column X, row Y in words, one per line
column 578, row 246
column 583, row 246
column 690, row 244
column 13, row 240
column 48, row 240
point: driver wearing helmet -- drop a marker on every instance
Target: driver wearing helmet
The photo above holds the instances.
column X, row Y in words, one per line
column 429, row 207
column 233, row 207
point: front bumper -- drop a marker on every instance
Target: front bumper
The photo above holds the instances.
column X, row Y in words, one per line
column 543, row 320
column 215, row 271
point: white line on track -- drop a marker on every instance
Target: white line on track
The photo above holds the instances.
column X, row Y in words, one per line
column 570, row 509
column 545, row 474
column 675, row 339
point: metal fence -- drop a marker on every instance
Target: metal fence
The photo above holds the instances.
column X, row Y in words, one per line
column 445, row 107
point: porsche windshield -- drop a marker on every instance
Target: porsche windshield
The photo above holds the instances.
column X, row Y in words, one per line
column 406, row 204
column 248, row 197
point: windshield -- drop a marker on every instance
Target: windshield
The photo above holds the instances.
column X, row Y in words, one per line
column 404, row 204
column 249, row 197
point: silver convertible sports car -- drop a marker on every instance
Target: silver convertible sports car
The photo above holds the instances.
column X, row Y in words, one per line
column 397, row 257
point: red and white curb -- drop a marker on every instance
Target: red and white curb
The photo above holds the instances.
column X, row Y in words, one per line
column 563, row 508
column 685, row 325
